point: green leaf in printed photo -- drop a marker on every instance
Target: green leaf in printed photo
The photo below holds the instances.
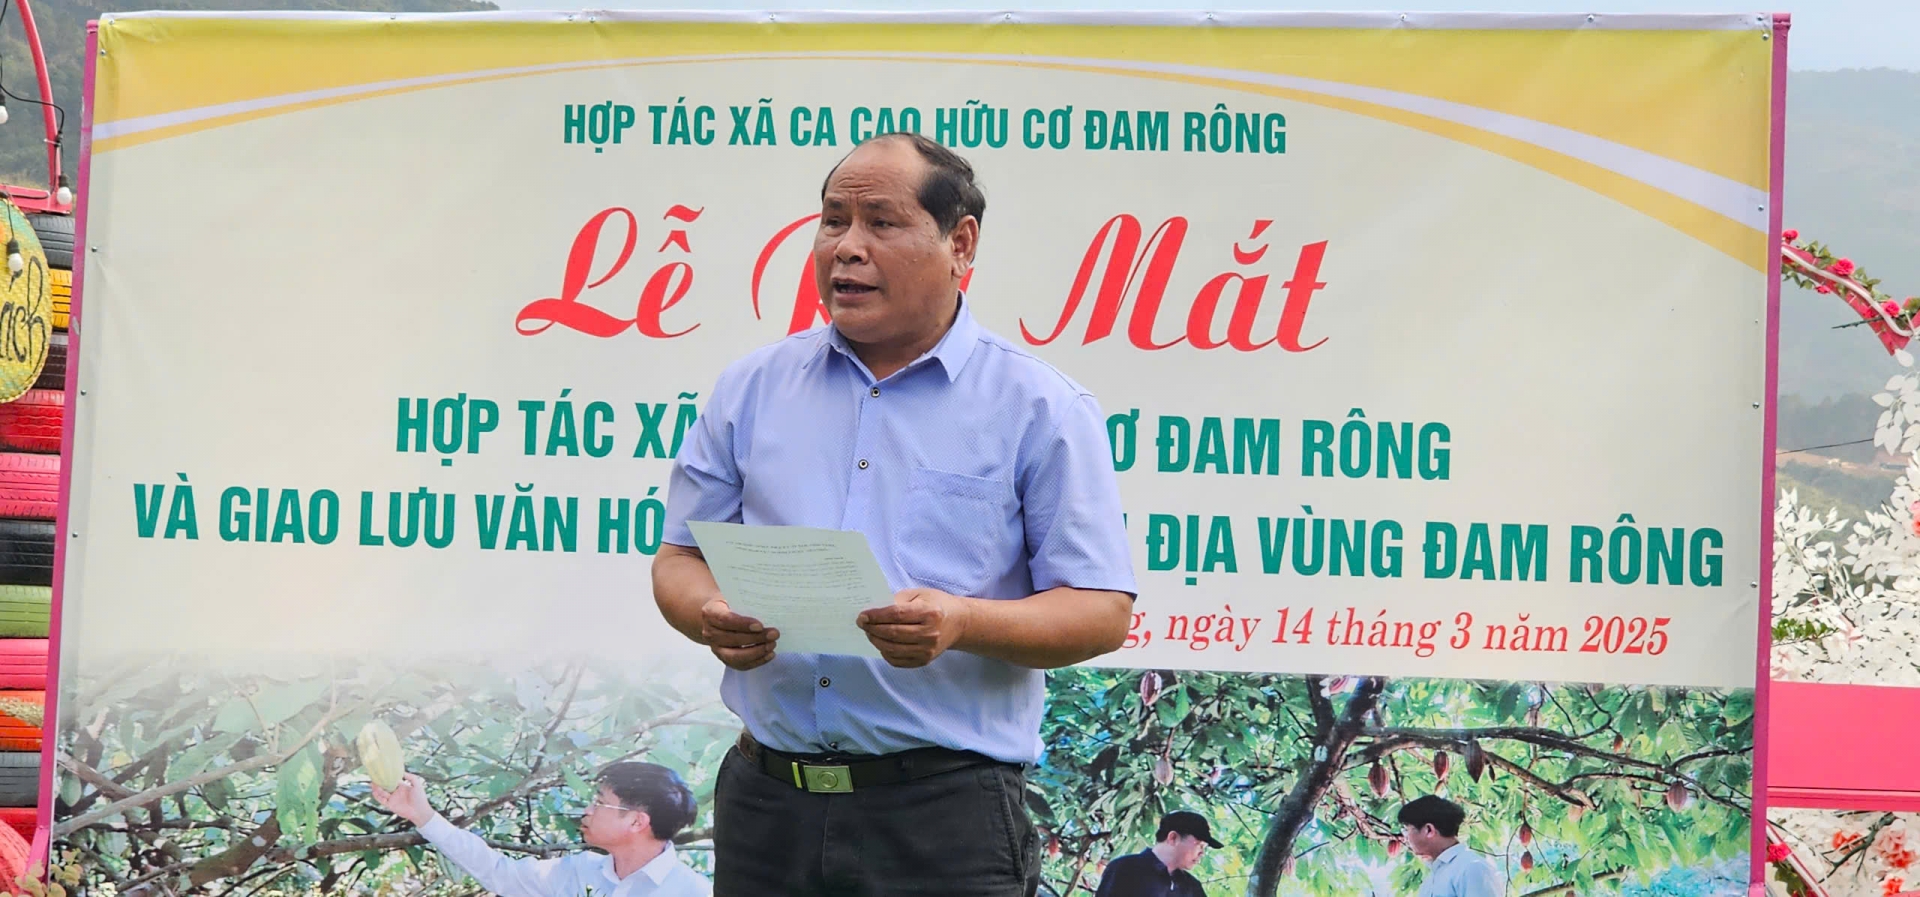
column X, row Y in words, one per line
column 297, row 795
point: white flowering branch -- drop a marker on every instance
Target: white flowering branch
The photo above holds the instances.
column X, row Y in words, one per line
column 1846, row 593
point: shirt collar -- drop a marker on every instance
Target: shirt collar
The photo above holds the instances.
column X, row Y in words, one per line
column 1157, row 862
column 952, row 351
column 656, row 869
column 659, row 866
column 1448, row 855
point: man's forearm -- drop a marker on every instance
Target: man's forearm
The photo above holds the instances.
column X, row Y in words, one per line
column 494, row 871
column 682, row 585
column 1055, row 628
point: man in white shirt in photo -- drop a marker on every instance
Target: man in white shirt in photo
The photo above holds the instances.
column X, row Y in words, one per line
column 1431, row 827
column 638, row 809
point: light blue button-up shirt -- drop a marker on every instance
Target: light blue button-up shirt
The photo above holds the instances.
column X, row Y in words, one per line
column 978, row 469
column 1459, row 872
column 574, row 875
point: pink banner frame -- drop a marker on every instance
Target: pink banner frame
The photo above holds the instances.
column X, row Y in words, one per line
column 1763, row 671
column 49, row 745
column 1781, row 22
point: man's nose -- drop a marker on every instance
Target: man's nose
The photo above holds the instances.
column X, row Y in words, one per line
column 852, row 248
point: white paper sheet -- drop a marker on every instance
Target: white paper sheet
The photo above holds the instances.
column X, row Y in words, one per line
column 808, row 583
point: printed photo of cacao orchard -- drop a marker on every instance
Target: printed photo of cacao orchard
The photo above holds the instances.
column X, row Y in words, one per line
column 1570, row 790
column 175, row 779
column 179, row 779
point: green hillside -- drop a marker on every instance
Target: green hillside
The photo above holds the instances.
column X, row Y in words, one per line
column 63, row 35
column 1853, row 182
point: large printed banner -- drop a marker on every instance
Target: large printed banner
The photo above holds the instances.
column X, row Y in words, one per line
column 1434, row 351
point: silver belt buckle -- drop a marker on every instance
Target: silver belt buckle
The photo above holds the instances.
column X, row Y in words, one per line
column 828, row 779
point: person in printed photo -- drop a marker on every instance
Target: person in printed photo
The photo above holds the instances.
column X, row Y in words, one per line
column 1162, row 870
column 1431, row 828
column 636, row 812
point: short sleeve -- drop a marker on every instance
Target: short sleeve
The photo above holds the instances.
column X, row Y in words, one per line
column 705, row 484
column 1076, row 532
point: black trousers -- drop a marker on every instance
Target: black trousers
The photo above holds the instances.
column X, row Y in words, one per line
column 964, row 833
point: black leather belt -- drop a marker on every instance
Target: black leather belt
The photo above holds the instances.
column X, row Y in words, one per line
column 830, row 774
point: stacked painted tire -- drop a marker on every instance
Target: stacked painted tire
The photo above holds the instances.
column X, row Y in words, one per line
column 30, row 428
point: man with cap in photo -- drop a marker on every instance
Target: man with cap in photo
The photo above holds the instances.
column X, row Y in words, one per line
column 1161, row 870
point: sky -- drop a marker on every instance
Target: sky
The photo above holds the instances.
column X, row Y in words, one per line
column 1826, row 34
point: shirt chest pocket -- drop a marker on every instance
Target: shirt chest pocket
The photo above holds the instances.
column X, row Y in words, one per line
column 957, row 532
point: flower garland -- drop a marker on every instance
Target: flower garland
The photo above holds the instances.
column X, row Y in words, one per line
column 1812, row 265
column 1783, row 869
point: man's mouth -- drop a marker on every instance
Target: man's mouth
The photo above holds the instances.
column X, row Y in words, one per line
column 852, row 287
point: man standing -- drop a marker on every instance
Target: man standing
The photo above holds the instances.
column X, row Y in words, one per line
column 633, row 818
column 1162, row 870
column 1431, row 827
column 983, row 480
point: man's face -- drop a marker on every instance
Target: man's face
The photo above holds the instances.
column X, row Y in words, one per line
column 1187, row 851
column 607, row 823
column 1423, row 840
column 884, row 270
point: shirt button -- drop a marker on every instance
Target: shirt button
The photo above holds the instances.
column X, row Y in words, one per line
column 876, row 392
column 863, row 464
column 824, row 682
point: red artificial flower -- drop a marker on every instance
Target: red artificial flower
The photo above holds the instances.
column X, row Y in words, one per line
column 1789, row 235
column 1842, row 267
column 1891, row 307
column 1778, row 852
column 1894, row 885
column 1842, row 839
column 1870, row 313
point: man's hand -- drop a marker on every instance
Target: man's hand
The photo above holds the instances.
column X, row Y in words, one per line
column 740, row 642
column 407, row 800
column 920, row 626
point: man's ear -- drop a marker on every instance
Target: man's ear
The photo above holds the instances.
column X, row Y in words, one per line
column 965, row 239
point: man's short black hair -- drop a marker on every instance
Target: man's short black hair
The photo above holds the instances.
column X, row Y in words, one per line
column 656, row 789
column 1444, row 815
column 949, row 193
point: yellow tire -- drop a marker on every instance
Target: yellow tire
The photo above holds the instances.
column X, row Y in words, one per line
column 62, row 284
